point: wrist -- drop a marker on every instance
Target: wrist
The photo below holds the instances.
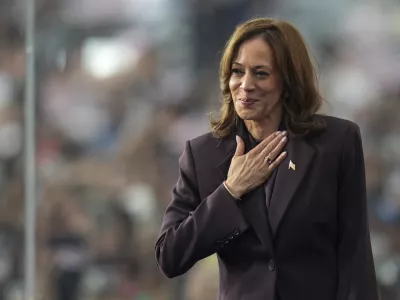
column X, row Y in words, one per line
column 234, row 194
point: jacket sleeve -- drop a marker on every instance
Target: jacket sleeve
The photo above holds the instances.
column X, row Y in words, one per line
column 195, row 228
column 356, row 279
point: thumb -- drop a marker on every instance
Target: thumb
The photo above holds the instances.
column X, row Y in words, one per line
column 239, row 146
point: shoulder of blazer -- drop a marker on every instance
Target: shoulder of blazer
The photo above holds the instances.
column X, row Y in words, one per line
column 207, row 150
column 208, row 142
column 204, row 140
column 335, row 121
column 337, row 127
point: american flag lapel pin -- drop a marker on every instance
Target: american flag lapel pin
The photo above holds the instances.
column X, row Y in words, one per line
column 292, row 166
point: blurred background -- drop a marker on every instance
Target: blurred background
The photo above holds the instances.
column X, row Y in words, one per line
column 121, row 85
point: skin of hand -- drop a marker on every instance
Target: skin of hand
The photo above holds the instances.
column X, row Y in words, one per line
column 250, row 170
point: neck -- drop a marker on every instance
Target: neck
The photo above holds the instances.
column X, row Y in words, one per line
column 264, row 128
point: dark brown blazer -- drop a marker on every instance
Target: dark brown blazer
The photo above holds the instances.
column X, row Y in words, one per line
column 311, row 244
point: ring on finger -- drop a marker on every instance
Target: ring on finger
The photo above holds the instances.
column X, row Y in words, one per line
column 268, row 160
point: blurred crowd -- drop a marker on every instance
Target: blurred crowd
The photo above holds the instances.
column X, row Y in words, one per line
column 121, row 85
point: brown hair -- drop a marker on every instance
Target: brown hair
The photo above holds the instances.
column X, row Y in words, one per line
column 302, row 98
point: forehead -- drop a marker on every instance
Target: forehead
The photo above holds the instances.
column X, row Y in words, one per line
column 254, row 52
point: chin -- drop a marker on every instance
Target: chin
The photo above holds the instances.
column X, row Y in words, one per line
column 249, row 116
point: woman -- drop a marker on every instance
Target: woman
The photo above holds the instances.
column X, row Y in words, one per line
column 275, row 190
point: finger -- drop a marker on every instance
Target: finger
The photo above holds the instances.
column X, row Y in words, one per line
column 240, row 147
column 265, row 142
column 267, row 148
column 277, row 161
column 272, row 151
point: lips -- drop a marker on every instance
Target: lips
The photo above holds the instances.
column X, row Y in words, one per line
column 247, row 101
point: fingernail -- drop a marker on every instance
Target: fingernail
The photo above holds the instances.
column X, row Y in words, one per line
column 284, row 133
column 237, row 139
column 284, row 139
column 278, row 133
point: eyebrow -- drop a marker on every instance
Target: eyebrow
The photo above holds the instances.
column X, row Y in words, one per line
column 255, row 67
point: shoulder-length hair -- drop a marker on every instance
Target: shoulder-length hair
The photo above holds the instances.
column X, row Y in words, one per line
column 301, row 98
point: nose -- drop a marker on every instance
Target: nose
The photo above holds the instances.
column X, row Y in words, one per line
column 247, row 83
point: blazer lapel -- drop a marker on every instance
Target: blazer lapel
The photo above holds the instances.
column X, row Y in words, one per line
column 253, row 203
column 289, row 176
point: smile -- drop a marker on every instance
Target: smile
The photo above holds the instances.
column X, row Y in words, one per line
column 247, row 102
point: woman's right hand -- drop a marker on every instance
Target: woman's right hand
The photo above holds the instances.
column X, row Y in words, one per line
column 250, row 170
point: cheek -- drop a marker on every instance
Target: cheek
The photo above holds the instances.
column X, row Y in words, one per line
column 271, row 91
column 273, row 86
column 272, row 99
column 233, row 85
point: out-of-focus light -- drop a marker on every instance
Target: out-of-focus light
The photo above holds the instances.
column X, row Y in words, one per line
column 6, row 90
column 106, row 57
column 61, row 60
column 139, row 200
column 388, row 273
column 10, row 140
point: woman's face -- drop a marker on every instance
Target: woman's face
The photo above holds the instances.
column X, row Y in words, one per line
column 255, row 82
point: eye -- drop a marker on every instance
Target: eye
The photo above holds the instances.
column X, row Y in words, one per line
column 262, row 74
column 237, row 71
